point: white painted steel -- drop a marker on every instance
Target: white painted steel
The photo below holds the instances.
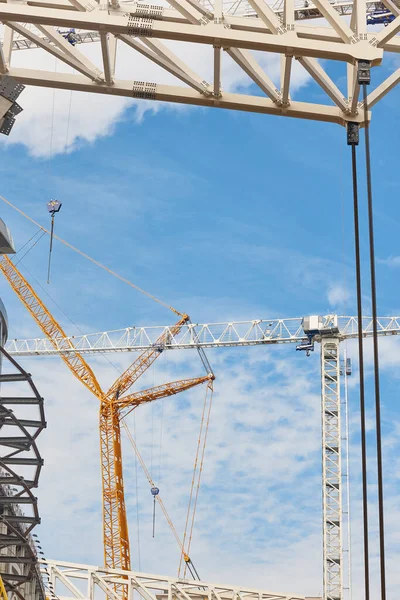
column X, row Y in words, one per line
column 331, row 470
column 234, row 27
column 207, row 335
column 72, row 580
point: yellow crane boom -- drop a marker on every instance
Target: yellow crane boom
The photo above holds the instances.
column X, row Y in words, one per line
column 47, row 323
column 115, row 527
column 145, row 360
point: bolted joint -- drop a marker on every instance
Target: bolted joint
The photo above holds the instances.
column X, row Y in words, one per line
column 353, row 133
column 364, row 72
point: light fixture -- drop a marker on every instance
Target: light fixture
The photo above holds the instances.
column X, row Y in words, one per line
column 9, row 108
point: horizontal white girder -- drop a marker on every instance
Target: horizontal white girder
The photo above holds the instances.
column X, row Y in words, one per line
column 75, row 577
column 212, row 33
column 181, row 95
column 255, row 25
column 207, row 335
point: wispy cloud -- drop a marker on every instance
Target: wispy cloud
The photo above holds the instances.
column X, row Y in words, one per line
column 60, row 121
column 391, row 261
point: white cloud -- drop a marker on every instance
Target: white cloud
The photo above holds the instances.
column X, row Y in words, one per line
column 337, row 295
column 392, row 261
column 92, row 116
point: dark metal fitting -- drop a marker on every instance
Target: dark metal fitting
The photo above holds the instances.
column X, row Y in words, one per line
column 364, row 72
column 353, row 133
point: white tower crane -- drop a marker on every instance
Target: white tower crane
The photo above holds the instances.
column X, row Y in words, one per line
column 329, row 331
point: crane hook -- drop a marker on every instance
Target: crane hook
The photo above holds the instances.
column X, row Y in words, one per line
column 54, row 206
column 154, row 492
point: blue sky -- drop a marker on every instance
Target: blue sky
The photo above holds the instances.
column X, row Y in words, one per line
column 225, row 216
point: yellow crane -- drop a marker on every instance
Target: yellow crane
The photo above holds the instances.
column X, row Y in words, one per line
column 113, row 407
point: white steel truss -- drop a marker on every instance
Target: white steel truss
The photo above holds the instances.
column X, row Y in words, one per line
column 331, row 469
column 238, row 28
column 71, row 580
column 207, row 335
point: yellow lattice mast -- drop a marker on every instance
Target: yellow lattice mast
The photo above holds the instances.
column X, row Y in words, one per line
column 113, row 406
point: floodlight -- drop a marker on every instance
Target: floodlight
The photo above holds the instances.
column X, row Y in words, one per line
column 9, row 109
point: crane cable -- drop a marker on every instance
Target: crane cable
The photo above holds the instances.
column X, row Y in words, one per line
column 196, row 478
column 94, row 261
column 152, row 484
column 361, row 375
column 378, row 425
column 210, row 388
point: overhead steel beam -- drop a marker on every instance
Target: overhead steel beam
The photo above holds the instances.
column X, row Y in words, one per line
column 360, row 24
column 152, row 91
column 3, row 63
column 355, row 88
column 162, row 50
column 168, row 65
column 289, row 15
column 211, row 34
column 334, row 19
column 217, row 71
column 383, row 89
column 318, row 74
column 60, row 42
column 267, row 15
column 387, row 33
column 105, row 53
column 392, row 7
column 187, row 9
column 67, row 58
column 286, row 70
column 250, row 66
column 8, row 35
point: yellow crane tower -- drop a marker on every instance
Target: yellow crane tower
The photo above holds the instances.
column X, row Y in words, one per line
column 113, row 406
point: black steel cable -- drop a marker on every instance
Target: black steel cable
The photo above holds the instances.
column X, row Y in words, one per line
column 375, row 350
column 362, row 381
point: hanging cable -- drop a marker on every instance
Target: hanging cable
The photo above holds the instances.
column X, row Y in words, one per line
column 52, row 118
column 375, row 347
column 137, row 495
column 26, row 243
column 152, row 484
column 29, row 249
column 54, row 206
column 353, row 140
column 210, row 388
column 193, row 478
column 68, row 118
column 96, row 262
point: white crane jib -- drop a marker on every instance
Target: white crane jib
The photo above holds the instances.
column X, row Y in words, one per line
column 210, row 335
column 328, row 331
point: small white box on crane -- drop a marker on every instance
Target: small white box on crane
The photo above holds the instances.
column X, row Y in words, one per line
column 312, row 325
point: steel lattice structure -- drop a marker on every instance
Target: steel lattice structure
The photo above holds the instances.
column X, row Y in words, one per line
column 195, row 335
column 76, row 577
column 333, row 330
column 20, row 467
column 237, row 28
column 331, row 469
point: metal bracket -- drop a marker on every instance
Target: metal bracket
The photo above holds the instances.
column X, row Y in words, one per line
column 353, row 133
column 140, row 26
column 364, row 72
column 143, row 90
